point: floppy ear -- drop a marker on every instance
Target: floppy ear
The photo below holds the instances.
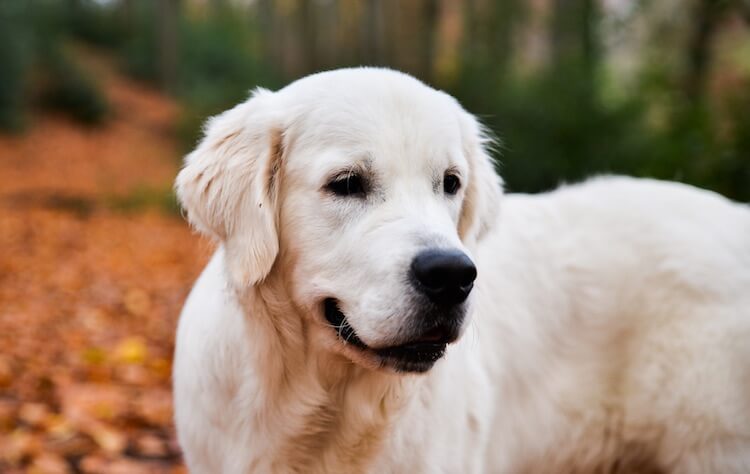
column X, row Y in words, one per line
column 484, row 189
column 228, row 186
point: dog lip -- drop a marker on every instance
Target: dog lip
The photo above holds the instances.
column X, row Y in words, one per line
column 438, row 334
column 332, row 312
column 338, row 321
column 418, row 352
column 417, row 355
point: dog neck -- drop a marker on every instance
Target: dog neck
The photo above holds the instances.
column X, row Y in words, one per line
column 319, row 410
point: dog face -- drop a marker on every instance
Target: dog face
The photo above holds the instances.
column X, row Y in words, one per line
column 367, row 189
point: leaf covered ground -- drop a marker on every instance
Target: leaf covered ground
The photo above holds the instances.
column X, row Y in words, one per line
column 93, row 271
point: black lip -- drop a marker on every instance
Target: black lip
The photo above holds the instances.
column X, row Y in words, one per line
column 417, row 356
column 337, row 319
column 413, row 357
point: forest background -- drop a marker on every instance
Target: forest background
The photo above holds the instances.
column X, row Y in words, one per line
column 99, row 100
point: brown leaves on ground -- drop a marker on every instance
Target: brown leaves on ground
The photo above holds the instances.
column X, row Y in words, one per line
column 89, row 300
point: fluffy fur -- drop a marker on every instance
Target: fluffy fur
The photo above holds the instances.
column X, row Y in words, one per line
column 609, row 328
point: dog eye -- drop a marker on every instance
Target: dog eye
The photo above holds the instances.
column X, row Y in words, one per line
column 347, row 185
column 451, row 183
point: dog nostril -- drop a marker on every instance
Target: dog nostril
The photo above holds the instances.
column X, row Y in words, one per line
column 446, row 276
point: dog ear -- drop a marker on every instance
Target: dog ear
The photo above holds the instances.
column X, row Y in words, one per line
column 229, row 184
column 485, row 188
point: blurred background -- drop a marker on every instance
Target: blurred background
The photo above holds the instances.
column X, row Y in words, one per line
column 100, row 99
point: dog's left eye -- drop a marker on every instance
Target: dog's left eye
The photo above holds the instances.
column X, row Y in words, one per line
column 451, row 183
column 347, row 185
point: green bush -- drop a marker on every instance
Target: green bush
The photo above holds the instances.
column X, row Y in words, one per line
column 99, row 25
column 219, row 64
column 555, row 127
column 15, row 54
column 37, row 69
column 557, row 123
column 139, row 50
column 72, row 91
column 144, row 197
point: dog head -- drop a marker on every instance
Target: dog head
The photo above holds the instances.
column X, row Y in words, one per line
column 368, row 190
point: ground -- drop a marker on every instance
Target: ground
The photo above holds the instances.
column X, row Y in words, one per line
column 94, row 267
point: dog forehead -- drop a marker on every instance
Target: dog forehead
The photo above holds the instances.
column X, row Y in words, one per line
column 376, row 83
column 383, row 116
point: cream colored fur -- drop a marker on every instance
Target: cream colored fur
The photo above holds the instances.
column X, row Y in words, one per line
column 610, row 321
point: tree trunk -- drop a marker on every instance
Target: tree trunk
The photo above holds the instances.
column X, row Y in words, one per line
column 167, row 37
column 427, row 38
column 372, row 37
column 574, row 35
column 448, row 37
column 705, row 19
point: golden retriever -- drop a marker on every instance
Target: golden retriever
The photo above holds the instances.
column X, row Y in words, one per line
column 378, row 305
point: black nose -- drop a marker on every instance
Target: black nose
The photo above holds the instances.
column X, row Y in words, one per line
column 445, row 276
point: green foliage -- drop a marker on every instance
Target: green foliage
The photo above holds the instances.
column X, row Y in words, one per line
column 558, row 122
column 162, row 199
column 96, row 24
column 72, row 91
column 138, row 49
column 736, row 162
column 556, row 125
column 555, row 128
column 36, row 69
column 14, row 63
column 218, row 69
column 218, row 62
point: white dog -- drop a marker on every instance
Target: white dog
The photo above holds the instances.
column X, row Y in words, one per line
column 336, row 330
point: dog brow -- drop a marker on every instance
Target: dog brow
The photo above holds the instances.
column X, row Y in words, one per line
column 363, row 166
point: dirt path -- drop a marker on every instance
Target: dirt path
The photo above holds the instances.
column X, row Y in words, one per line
column 90, row 290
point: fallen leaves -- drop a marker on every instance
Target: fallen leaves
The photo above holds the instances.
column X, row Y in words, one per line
column 89, row 300
column 131, row 350
column 85, row 371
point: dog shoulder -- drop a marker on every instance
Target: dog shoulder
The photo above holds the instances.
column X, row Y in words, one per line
column 210, row 371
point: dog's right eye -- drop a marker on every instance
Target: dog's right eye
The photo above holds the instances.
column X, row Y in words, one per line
column 347, row 185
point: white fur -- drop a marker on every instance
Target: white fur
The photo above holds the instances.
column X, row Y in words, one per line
column 610, row 329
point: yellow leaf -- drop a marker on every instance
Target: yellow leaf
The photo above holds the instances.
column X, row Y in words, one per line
column 94, row 355
column 131, row 350
column 137, row 301
column 109, row 440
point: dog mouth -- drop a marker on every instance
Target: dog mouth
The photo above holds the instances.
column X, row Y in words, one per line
column 343, row 329
column 418, row 355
